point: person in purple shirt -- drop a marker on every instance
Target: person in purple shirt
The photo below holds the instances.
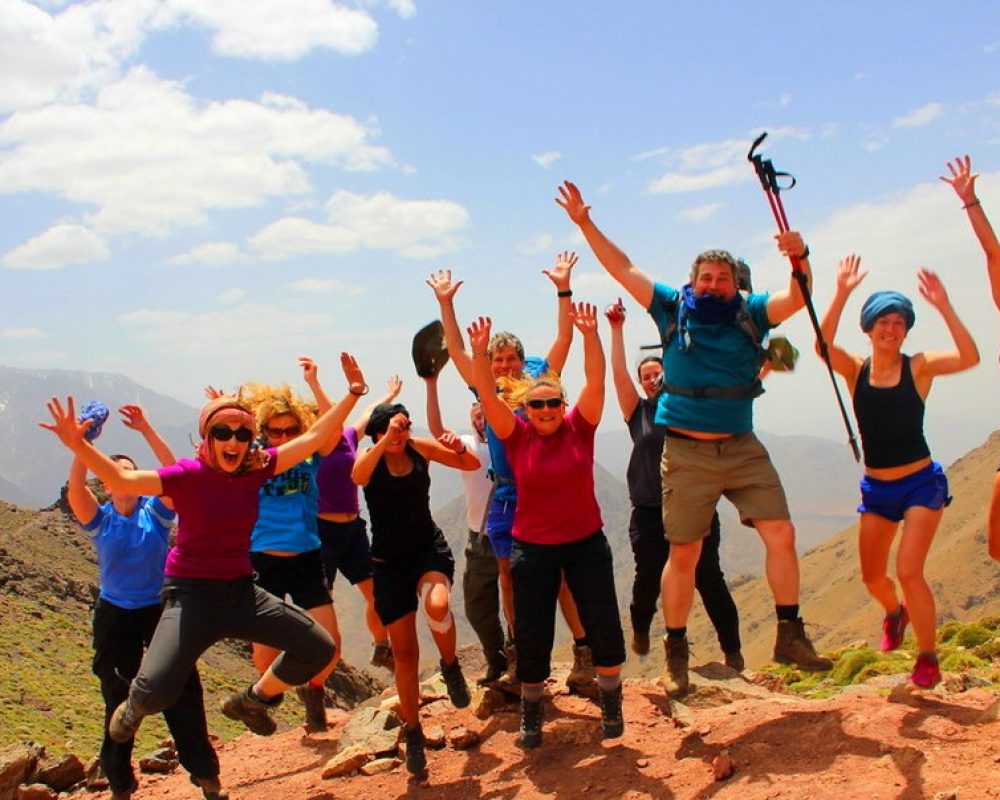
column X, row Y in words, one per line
column 209, row 593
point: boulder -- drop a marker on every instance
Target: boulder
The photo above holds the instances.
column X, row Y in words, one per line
column 17, row 762
column 346, row 761
column 60, row 773
column 375, row 730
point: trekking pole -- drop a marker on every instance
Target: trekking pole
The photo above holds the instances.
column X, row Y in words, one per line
column 769, row 182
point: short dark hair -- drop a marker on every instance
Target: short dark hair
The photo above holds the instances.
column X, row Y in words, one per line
column 121, row 456
column 716, row 257
column 647, row 360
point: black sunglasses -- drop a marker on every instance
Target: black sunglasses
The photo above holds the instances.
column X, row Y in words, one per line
column 548, row 402
column 277, row 433
column 224, row 433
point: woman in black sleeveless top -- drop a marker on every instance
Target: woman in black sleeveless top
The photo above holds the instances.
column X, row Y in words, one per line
column 411, row 562
column 901, row 483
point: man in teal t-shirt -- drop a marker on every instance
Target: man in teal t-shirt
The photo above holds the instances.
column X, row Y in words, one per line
column 711, row 360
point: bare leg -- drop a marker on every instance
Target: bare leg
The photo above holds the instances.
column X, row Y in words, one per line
column 919, row 526
column 375, row 626
column 677, row 583
column 403, row 638
column 781, row 563
column 434, row 589
column 568, row 607
column 264, row 656
column 875, row 535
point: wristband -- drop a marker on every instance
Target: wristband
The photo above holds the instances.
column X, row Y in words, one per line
column 564, row 293
column 359, row 394
column 970, row 205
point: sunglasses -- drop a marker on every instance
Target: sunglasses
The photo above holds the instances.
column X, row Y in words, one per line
column 224, row 433
column 278, row 433
column 548, row 402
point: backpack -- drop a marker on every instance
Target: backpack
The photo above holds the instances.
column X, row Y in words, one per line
column 744, row 321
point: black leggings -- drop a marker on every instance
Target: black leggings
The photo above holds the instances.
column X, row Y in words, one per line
column 120, row 634
column 198, row 613
column 651, row 550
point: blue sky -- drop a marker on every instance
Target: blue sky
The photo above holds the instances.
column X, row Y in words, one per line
column 197, row 193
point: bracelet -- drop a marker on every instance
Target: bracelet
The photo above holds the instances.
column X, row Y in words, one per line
column 805, row 253
column 970, row 205
column 564, row 293
column 359, row 394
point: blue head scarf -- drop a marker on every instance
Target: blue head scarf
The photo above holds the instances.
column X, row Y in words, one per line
column 882, row 303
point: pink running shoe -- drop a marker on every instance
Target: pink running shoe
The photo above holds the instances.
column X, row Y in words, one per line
column 926, row 672
column 893, row 628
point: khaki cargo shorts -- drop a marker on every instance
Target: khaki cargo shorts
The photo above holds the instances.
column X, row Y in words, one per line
column 696, row 473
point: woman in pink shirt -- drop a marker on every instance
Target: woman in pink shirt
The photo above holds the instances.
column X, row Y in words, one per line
column 557, row 523
column 209, row 593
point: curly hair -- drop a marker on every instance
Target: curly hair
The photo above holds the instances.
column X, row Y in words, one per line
column 504, row 339
column 266, row 402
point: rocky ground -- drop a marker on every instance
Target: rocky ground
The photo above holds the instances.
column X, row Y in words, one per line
column 730, row 738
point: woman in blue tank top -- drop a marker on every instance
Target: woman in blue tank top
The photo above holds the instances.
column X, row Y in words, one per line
column 901, row 483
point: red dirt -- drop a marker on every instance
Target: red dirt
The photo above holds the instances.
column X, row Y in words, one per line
column 858, row 744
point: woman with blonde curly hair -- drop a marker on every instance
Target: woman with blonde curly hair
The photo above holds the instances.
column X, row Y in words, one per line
column 284, row 544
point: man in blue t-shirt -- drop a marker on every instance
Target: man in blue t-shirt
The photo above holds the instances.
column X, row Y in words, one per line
column 711, row 359
column 131, row 537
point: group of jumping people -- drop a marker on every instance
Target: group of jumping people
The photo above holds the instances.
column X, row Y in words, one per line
column 268, row 510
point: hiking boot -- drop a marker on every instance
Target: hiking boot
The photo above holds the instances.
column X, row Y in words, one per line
column 531, row 723
column 254, row 713
column 416, row 759
column 313, row 698
column 382, row 657
column 734, row 660
column 211, row 789
column 125, row 794
column 495, row 669
column 124, row 723
column 640, row 642
column 893, row 628
column 612, row 723
column 792, row 646
column 508, row 682
column 458, row 689
column 581, row 678
column 675, row 670
column 926, row 672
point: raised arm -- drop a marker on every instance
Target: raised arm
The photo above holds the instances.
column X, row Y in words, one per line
column 782, row 304
column 636, row 282
column 135, row 418
column 393, row 388
column 310, row 374
column 444, row 291
column 590, row 404
column 434, row 422
column 560, row 277
column 963, row 181
column 500, row 418
column 367, row 459
column 330, row 425
column 448, row 450
column 70, row 432
column 81, row 500
column 848, row 279
column 628, row 395
column 965, row 355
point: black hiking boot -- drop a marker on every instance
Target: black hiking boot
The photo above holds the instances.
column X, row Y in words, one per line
column 792, row 646
column 313, row 698
column 458, row 690
column 612, row 722
column 531, row 723
column 416, row 759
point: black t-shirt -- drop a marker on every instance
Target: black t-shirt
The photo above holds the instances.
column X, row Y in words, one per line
column 644, row 482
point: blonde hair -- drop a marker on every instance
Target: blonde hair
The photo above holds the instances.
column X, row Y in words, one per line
column 266, row 402
column 514, row 391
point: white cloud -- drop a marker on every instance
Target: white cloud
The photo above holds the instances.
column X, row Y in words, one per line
column 405, row 8
column 541, row 243
column 153, row 317
column 231, row 296
column 547, row 159
column 381, row 221
column 698, row 213
column 595, row 287
column 149, row 157
column 49, row 57
column 212, row 254
column 919, row 116
column 678, row 182
column 785, row 99
column 21, row 334
column 59, row 246
column 327, row 285
column 278, row 31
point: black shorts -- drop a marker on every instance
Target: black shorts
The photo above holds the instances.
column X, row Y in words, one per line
column 345, row 547
column 396, row 580
column 300, row 577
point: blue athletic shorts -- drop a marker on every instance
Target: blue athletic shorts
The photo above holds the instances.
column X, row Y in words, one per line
column 499, row 524
column 890, row 499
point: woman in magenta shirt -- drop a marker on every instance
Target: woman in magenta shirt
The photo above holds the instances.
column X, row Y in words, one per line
column 557, row 524
column 209, row 593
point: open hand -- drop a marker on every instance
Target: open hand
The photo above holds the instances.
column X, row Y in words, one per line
column 355, row 377
column 931, row 288
column 571, row 199
column 584, row 316
column 65, row 424
column 963, row 179
column 562, row 271
column 440, row 282
column 134, row 417
column 479, row 334
column 849, row 276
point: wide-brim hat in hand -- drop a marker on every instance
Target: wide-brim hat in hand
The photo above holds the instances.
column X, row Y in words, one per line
column 430, row 352
column 781, row 354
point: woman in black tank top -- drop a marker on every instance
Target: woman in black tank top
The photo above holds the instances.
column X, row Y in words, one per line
column 901, row 482
column 411, row 560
